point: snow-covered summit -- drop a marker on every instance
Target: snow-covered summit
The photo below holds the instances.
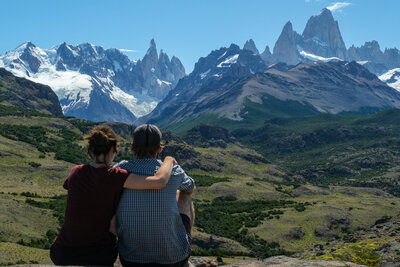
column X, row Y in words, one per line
column 392, row 78
column 91, row 81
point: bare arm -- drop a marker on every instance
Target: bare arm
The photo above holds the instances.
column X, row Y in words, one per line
column 158, row 181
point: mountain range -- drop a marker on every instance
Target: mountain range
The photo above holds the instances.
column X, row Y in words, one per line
column 105, row 85
column 96, row 83
column 321, row 40
column 240, row 91
column 308, row 73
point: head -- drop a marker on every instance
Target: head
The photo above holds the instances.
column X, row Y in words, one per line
column 146, row 141
column 102, row 144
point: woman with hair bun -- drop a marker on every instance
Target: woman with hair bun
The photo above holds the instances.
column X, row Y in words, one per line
column 94, row 190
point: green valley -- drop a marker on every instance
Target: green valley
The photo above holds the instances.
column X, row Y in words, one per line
column 249, row 204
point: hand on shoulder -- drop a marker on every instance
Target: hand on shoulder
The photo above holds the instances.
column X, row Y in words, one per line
column 169, row 158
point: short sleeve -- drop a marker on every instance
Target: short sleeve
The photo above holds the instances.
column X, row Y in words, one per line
column 120, row 163
column 71, row 174
column 187, row 183
column 120, row 177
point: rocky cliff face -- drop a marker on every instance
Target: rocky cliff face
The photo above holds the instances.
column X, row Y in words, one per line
column 251, row 46
column 160, row 74
column 372, row 57
column 285, row 49
column 322, row 41
column 322, row 36
column 20, row 92
column 369, row 51
column 266, row 55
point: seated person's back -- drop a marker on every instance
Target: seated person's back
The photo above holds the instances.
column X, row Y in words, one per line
column 150, row 227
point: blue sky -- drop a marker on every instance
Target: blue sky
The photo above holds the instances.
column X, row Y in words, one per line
column 184, row 28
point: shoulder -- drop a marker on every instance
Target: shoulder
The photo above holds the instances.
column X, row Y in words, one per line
column 120, row 164
column 117, row 170
column 177, row 170
column 125, row 165
column 76, row 169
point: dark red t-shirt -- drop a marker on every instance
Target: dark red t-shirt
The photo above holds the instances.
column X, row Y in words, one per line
column 93, row 197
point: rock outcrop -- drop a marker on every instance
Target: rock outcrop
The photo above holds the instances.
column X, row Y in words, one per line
column 277, row 261
column 283, row 261
column 20, row 92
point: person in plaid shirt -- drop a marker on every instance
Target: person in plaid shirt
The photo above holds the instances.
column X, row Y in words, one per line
column 154, row 226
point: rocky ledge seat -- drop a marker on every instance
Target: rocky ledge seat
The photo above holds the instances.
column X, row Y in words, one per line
column 278, row 261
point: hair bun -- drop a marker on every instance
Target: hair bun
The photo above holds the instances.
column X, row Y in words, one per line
column 101, row 139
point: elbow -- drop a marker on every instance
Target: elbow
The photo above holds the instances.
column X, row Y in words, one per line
column 161, row 184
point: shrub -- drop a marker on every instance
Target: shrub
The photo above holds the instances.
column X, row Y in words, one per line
column 205, row 180
column 300, row 207
column 43, row 243
column 34, row 164
column 384, row 219
column 29, row 194
column 62, row 142
column 57, row 204
column 229, row 218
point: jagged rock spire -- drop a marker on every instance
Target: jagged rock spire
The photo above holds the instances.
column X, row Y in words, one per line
column 285, row 49
column 266, row 55
column 322, row 36
column 251, row 46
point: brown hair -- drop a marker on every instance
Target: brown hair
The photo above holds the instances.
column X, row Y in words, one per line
column 101, row 139
column 146, row 141
column 144, row 152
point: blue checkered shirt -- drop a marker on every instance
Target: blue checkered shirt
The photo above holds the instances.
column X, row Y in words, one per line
column 150, row 228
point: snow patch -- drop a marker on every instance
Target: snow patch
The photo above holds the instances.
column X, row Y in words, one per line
column 255, row 99
column 221, row 56
column 363, row 62
column 74, row 53
column 161, row 82
column 313, row 57
column 136, row 103
column 229, row 61
column 204, row 74
column 66, row 84
column 117, row 66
